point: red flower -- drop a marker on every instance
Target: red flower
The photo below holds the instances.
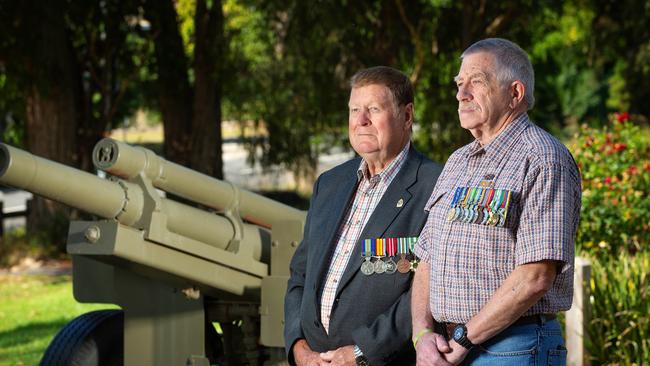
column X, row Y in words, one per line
column 632, row 170
column 608, row 180
column 622, row 117
column 646, row 167
column 620, row 147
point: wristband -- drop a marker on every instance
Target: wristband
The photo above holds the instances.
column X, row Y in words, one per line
column 420, row 334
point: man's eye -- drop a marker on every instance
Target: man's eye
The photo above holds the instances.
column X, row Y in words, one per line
column 477, row 81
column 373, row 109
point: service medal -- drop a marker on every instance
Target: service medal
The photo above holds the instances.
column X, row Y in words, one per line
column 391, row 267
column 414, row 265
column 380, row 266
column 451, row 214
column 367, row 267
column 403, row 265
column 485, row 217
column 479, row 217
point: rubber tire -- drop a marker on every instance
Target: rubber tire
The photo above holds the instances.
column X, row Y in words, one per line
column 97, row 339
column 92, row 339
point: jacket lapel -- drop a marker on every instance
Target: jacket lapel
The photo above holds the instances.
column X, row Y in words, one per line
column 385, row 212
column 337, row 204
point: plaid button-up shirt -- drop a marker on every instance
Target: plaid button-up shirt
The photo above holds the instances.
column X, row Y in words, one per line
column 367, row 196
column 469, row 261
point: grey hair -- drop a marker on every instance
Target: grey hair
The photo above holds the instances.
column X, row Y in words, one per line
column 512, row 63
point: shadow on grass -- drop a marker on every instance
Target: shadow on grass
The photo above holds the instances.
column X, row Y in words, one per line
column 43, row 331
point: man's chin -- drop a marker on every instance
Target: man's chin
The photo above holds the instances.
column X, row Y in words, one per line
column 468, row 123
column 365, row 150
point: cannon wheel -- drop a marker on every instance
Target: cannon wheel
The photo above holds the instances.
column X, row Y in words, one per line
column 97, row 338
column 88, row 338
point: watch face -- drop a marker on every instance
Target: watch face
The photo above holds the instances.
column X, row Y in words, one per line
column 458, row 333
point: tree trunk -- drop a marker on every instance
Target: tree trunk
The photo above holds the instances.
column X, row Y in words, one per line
column 51, row 105
column 191, row 117
column 174, row 92
column 208, row 56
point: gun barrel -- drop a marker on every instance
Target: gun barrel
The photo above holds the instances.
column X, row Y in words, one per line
column 72, row 187
column 108, row 199
column 123, row 160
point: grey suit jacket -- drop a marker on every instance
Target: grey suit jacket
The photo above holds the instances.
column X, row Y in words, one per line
column 373, row 311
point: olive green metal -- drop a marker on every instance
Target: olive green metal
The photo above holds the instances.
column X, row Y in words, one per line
column 21, row 169
column 167, row 264
column 111, row 199
column 123, row 160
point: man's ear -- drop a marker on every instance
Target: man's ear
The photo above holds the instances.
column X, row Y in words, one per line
column 517, row 93
column 408, row 116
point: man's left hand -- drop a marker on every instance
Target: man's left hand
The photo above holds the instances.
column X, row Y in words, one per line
column 343, row 356
column 457, row 354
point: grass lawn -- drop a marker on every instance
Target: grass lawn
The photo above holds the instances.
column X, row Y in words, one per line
column 32, row 310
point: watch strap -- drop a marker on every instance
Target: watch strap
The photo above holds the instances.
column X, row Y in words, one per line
column 359, row 358
column 460, row 336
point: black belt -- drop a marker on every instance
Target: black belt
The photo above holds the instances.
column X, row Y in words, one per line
column 446, row 329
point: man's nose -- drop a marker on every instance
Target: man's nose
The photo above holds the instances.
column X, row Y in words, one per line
column 363, row 118
column 463, row 93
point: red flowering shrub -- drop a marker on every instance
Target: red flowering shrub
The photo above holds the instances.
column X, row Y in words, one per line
column 615, row 165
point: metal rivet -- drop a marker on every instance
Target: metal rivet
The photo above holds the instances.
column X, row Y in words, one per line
column 93, row 234
column 191, row 293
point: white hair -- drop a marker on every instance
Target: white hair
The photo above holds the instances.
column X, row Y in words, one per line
column 512, row 63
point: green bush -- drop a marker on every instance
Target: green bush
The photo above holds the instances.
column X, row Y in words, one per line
column 615, row 165
column 619, row 332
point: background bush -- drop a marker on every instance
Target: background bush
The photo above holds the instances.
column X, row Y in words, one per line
column 614, row 235
column 615, row 167
column 619, row 331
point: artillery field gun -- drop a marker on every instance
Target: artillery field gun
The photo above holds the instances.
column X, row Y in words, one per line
column 172, row 268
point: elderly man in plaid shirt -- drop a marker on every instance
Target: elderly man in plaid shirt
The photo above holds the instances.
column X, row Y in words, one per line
column 347, row 300
column 497, row 249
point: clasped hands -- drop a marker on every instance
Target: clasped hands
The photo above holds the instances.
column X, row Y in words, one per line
column 434, row 350
column 304, row 356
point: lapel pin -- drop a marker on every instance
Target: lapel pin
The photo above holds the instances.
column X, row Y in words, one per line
column 400, row 203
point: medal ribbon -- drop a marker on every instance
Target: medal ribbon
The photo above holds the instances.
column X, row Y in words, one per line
column 454, row 202
column 380, row 247
column 391, row 247
column 367, row 246
column 466, row 194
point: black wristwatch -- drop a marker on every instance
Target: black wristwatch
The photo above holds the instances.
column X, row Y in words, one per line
column 460, row 336
column 359, row 358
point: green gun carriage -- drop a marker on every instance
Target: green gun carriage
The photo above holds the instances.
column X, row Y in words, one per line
column 173, row 268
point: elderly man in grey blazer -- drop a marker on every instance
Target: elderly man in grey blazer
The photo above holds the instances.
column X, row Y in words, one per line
column 348, row 296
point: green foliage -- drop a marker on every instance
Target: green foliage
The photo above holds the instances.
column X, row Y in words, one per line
column 615, row 165
column 619, row 332
column 16, row 245
column 32, row 310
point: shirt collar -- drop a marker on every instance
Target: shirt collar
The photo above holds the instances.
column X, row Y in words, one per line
column 388, row 173
column 503, row 140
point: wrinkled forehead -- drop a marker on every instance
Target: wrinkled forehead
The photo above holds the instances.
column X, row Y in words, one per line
column 479, row 64
column 373, row 91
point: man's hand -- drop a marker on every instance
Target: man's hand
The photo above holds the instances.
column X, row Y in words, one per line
column 457, row 354
column 304, row 356
column 431, row 350
column 343, row 356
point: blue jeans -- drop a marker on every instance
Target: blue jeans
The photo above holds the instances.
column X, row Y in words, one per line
column 530, row 344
